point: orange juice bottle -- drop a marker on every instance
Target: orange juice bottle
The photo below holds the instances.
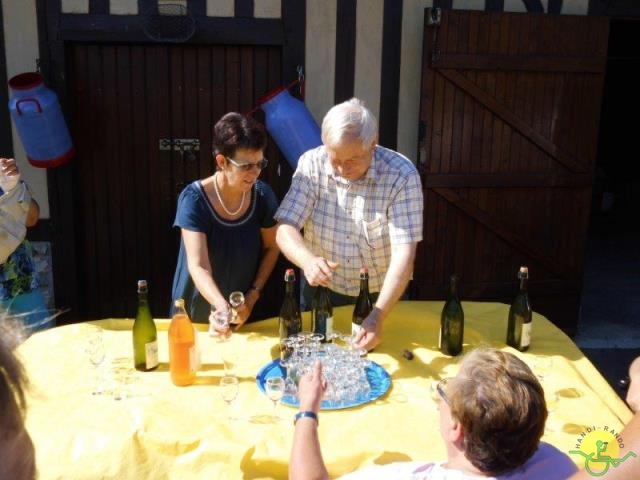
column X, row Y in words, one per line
column 182, row 347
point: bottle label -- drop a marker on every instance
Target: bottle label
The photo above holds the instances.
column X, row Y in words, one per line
column 193, row 359
column 329, row 330
column 151, row 354
column 355, row 329
column 526, row 335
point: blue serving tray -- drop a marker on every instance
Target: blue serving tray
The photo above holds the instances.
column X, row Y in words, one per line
column 379, row 380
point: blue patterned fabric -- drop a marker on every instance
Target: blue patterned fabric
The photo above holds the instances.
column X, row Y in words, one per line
column 17, row 274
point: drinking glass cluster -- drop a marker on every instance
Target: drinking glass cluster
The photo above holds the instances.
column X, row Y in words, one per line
column 343, row 365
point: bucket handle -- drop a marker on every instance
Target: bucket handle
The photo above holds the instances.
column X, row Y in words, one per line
column 28, row 100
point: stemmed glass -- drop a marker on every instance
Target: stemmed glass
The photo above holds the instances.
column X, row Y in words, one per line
column 94, row 348
column 229, row 390
column 274, row 387
column 236, row 300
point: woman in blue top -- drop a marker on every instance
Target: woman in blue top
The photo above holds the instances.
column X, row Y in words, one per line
column 227, row 225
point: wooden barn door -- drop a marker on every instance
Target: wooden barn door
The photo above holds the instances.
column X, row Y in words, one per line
column 510, row 107
column 126, row 99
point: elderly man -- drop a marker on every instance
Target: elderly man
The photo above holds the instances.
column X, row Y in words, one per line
column 359, row 204
column 492, row 415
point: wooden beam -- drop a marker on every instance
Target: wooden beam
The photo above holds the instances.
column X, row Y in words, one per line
column 514, row 121
column 294, row 13
column 345, row 50
column 99, row 7
column 494, row 6
column 60, row 180
column 6, row 140
column 521, row 244
column 390, row 71
column 128, row 28
column 507, row 180
column 555, row 6
column 243, row 9
column 444, row 4
column 147, row 6
column 197, row 7
column 526, row 63
column 534, row 6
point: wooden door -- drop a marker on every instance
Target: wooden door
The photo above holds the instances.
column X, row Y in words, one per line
column 126, row 98
column 510, row 107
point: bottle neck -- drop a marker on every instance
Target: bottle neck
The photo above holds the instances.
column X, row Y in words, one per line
column 523, row 285
column 289, row 287
column 364, row 285
column 453, row 290
column 142, row 298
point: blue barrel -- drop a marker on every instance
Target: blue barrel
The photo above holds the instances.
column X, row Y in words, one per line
column 290, row 124
column 38, row 118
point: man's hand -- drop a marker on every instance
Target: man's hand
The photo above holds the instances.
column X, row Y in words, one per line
column 370, row 335
column 311, row 388
column 319, row 271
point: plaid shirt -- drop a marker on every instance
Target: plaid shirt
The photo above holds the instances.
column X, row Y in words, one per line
column 355, row 223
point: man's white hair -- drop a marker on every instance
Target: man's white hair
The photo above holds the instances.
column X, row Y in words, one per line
column 349, row 121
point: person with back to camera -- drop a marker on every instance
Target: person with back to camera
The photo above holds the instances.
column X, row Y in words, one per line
column 492, row 416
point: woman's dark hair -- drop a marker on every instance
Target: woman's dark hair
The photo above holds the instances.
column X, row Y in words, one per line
column 17, row 454
column 234, row 131
column 12, row 377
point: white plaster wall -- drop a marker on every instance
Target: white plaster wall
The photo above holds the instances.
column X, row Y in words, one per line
column 21, row 51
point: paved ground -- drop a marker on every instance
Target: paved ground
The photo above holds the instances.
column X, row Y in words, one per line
column 609, row 328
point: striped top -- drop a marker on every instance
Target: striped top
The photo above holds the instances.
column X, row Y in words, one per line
column 355, row 223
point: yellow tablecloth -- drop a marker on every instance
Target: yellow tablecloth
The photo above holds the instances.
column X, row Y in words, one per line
column 163, row 431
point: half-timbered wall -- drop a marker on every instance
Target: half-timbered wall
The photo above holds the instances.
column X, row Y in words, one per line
column 368, row 48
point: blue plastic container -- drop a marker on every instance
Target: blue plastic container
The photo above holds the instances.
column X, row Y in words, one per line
column 38, row 118
column 290, row 124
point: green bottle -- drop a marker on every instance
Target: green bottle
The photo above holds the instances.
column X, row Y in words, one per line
column 145, row 335
column 519, row 327
column 290, row 319
column 452, row 321
column 322, row 313
column 363, row 305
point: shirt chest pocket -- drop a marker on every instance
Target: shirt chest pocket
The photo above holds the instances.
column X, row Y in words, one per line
column 372, row 232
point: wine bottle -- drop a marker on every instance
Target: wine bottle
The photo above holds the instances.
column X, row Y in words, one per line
column 452, row 321
column 363, row 305
column 182, row 348
column 145, row 335
column 290, row 317
column 322, row 313
column 519, row 326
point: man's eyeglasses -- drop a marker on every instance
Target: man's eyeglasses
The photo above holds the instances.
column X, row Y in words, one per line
column 260, row 165
column 441, row 387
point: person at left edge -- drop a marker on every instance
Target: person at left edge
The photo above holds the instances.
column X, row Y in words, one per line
column 20, row 296
column 227, row 225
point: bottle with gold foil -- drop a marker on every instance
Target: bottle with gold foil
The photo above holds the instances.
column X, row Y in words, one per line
column 520, row 316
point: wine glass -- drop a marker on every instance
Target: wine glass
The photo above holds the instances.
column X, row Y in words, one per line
column 229, row 391
column 274, row 387
column 236, row 300
column 222, row 318
column 94, row 348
